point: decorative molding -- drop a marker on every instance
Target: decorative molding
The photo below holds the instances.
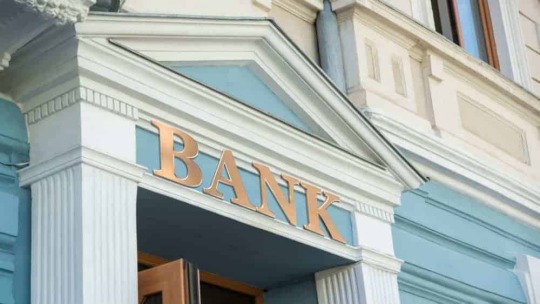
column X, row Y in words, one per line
column 80, row 94
column 510, row 42
column 266, row 5
column 521, row 197
column 450, row 242
column 4, row 60
column 64, row 11
column 86, row 250
column 76, row 156
column 376, row 212
column 528, row 271
column 482, row 122
column 495, row 229
column 429, row 285
column 7, row 244
column 400, row 85
column 372, row 61
column 306, row 10
column 380, row 260
column 360, row 283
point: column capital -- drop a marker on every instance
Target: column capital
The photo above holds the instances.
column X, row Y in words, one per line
column 380, row 260
column 528, row 271
column 373, row 280
column 81, row 155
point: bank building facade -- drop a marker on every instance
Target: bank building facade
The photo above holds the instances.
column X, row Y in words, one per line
column 270, row 151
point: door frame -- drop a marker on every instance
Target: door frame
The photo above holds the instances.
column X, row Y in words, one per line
column 207, row 277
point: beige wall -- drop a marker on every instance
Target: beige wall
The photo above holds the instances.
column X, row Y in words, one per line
column 530, row 25
column 419, row 79
column 301, row 31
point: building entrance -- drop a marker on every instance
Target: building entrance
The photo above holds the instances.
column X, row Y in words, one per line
column 180, row 282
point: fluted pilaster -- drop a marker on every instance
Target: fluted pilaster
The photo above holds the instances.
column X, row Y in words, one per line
column 84, row 246
column 371, row 281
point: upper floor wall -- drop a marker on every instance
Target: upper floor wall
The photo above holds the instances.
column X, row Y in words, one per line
column 517, row 30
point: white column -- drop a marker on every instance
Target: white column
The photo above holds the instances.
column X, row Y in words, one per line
column 528, row 271
column 84, row 189
column 370, row 281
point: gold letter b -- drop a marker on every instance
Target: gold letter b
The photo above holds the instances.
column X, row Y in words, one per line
column 168, row 154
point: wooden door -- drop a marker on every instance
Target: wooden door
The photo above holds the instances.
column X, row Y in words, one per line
column 171, row 283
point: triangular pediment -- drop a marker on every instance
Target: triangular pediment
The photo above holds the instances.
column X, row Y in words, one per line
column 251, row 62
column 241, row 83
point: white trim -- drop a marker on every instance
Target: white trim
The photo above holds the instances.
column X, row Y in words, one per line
column 81, row 155
column 80, row 94
column 510, row 41
column 528, row 271
column 361, row 283
column 450, row 165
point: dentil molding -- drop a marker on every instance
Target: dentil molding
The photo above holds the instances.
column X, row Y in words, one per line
column 76, row 95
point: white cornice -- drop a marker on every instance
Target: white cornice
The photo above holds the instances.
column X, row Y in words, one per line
column 77, row 156
column 380, row 260
column 498, row 188
column 80, row 94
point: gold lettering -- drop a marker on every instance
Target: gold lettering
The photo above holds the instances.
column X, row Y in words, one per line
column 315, row 212
column 168, row 154
column 267, row 179
column 227, row 162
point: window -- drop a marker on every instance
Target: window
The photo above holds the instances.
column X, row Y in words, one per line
column 468, row 24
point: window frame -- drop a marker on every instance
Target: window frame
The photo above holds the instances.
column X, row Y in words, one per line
column 487, row 27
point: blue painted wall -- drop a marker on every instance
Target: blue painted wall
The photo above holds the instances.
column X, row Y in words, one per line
column 300, row 292
column 458, row 250
column 242, row 84
column 14, row 209
column 148, row 156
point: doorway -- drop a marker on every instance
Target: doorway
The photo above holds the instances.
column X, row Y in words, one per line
column 179, row 282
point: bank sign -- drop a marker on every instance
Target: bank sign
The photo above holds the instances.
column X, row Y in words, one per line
column 298, row 203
